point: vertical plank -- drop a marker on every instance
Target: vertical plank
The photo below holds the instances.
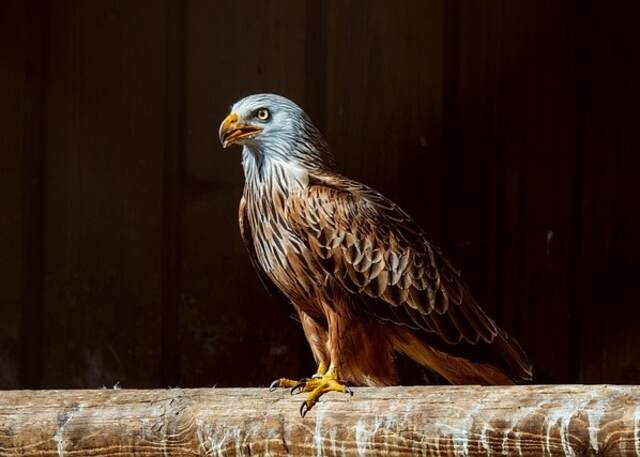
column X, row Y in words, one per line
column 514, row 161
column 13, row 17
column 384, row 99
column 33, row 242
column 605, row 305
column 175, row 63
column 105, row 121
column 316, row 62
column 231, row 333
column 469, row 137
column 543, row 176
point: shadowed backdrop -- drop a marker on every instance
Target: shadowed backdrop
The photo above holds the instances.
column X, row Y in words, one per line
column 506, row 128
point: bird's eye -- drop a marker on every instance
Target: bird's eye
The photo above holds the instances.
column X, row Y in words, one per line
column 263, row 114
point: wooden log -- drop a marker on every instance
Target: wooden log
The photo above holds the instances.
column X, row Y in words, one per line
column 430, row 421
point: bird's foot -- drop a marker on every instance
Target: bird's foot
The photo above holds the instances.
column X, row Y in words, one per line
column 290, row 383
column 317, row 387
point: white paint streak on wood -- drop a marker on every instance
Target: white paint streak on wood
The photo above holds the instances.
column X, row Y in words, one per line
column 636, row 431
column 483, row 439
column 361, row 435
column 201, row 436
column 373, row 427
column 317, row 435
column 519, row 415
column 595, row 411
column 332, row 440
column 457, row 429
column 560, row 416
column 238, row 438
column 59, row 439
column 63, row 420
column 460, row 421
column 461, row 443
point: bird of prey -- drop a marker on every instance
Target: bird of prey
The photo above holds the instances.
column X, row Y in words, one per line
column 365, row 281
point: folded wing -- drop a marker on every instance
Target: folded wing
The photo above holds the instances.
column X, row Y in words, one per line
column 384, row 260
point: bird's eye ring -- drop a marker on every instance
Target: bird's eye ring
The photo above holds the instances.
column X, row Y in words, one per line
column 263, row 114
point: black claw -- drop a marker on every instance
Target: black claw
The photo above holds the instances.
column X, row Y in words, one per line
column 274, row 385
column 298, row 388
column 349, row 391
column 304, row 409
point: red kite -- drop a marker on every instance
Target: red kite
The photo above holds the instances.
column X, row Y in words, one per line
column 364, row 279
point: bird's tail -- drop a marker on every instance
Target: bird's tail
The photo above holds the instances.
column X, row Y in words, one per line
column 503, row 361
column 515, row 362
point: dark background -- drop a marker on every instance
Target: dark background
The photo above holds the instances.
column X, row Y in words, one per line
column 507, row 128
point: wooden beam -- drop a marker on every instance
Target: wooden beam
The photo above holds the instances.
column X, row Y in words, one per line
column 402, row 421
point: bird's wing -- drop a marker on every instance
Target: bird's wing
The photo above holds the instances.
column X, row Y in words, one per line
column 247, row 237
column 378, row 254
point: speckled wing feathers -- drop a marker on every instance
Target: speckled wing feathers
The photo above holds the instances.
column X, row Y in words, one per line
column 378, row 254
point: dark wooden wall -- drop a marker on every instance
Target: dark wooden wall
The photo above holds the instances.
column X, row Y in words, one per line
column 507, row 128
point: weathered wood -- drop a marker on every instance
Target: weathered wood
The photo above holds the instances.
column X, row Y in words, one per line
column 434, row 421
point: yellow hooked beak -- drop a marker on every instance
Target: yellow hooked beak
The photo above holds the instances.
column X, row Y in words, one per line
column 232, row 130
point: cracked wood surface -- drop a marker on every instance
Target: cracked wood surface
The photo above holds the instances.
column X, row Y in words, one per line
column 402, row 421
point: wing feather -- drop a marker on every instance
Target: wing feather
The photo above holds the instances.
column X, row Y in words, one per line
column 377, row 253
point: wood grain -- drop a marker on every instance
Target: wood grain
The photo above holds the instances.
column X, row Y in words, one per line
column 401, row 421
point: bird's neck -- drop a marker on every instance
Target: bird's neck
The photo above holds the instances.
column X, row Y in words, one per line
column 265, row 174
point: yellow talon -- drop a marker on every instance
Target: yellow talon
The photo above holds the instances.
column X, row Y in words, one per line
column 317, row 388
column 290, row 383
column 282, row 382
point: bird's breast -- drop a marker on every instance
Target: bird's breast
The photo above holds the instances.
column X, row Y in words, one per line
column 281, row 253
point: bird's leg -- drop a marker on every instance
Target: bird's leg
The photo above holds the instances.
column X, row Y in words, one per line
column 317, row 387
column 320, row 372
column 289, row 383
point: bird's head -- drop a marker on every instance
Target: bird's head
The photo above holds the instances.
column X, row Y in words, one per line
column 272, row 126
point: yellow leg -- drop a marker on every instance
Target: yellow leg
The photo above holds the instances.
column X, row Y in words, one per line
column 317, row 387
column 320, row 372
